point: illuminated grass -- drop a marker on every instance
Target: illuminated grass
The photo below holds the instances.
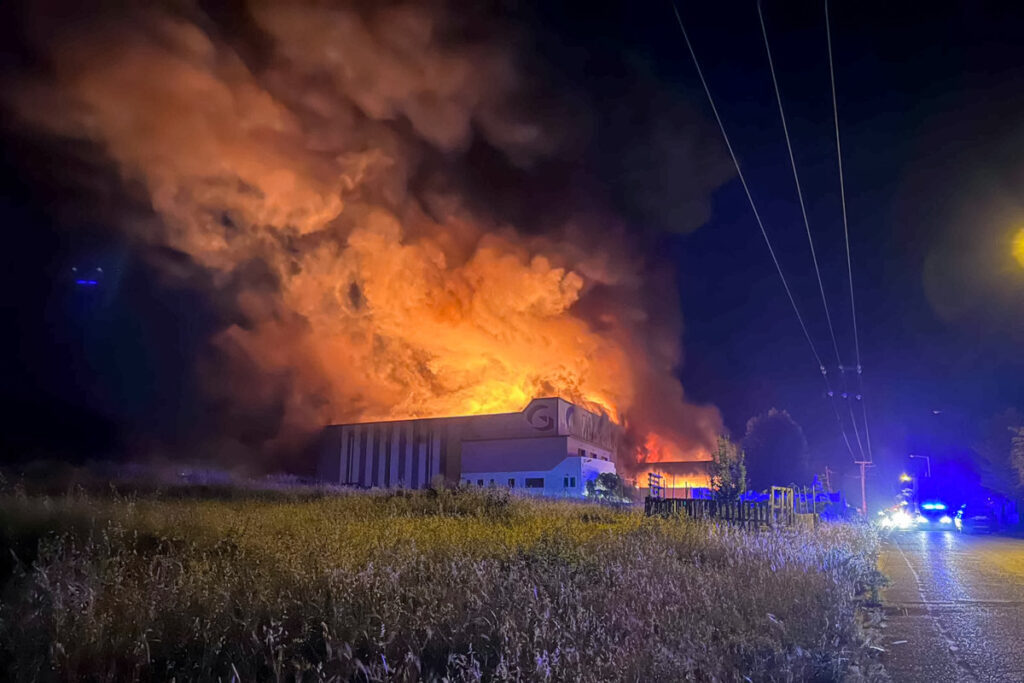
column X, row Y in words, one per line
column 464, row 585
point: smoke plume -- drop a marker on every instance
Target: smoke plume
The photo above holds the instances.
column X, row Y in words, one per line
column 344, row 178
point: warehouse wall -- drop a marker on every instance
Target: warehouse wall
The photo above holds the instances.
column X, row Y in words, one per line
column 387, row 454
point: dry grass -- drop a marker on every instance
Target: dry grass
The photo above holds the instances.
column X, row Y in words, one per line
column 456, row 585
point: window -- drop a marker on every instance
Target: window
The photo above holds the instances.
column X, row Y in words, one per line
column 565, row 482
column 593, row 455
column 572, row 482
column 492, row 482
column 480, row 482
column 582, row 452
column 535, row 482
column 511, row 483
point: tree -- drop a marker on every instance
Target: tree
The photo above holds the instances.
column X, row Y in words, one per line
column 1000, row 453
column 607, row 486
column 728, row 471
column 1017, row 455
column 776, row 450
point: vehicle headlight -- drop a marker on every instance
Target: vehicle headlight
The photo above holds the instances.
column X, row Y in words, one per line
column 901, row 519
column 945, row 519
column 921, row 519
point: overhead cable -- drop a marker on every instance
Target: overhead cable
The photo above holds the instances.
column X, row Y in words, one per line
column 846, row 234
column 760, row 223
column 807, row 226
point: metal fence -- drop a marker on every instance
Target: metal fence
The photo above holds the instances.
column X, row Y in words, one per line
column 777, row 510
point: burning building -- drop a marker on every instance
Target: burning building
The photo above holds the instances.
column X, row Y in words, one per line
column 678, row 479
column 389, row 211
column 552, row 447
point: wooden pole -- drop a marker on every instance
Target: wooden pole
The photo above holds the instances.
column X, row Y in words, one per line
column 863, row 487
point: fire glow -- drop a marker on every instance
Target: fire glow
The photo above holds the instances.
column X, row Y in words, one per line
column 351, row 295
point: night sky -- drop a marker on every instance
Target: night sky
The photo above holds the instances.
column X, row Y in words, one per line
column 930, row 102
column 930, row 106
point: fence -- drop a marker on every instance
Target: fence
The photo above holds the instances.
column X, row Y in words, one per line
column 777, row 510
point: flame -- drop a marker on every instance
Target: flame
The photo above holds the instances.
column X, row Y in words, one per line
column 351, row 294
column 674, row 485
column 658, row 448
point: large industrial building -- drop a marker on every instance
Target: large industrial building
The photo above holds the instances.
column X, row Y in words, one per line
column 552, row 447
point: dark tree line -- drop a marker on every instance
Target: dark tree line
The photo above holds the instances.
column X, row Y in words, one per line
column 773, row 452
column 1000, row 453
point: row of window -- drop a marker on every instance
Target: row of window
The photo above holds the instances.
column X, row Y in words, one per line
column 582, row 452
column 529, row 482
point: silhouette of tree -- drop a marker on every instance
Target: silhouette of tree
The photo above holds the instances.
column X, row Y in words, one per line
column 1000, row 453
column 728, row 471
column 776, row 450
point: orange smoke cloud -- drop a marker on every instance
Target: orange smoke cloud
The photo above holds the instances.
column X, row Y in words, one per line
column 353, row 296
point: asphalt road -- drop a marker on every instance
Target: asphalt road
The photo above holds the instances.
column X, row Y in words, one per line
column 955, row 607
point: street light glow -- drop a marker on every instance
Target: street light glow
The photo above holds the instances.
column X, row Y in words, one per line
column 906, row 477
column 1017, row 248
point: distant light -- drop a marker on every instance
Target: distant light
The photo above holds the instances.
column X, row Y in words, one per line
column 933, row 506
column 901, row 519
column 87, row 283
column 921, row 519
column 906, row 477
column 945, row 519
column 1017, row 248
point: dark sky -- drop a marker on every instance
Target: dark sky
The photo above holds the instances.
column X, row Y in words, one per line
column 930, row 107
column 931, row 104
column 925, row 100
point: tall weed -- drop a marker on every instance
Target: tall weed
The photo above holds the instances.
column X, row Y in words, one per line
column 454, row 585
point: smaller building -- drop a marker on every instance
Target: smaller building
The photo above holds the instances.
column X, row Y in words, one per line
column 679, row 479
column 528, row 468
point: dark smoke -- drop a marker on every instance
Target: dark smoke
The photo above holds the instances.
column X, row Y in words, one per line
column 380, row 209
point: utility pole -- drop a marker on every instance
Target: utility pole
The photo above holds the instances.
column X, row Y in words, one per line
column 864, row 464
column 927, row 461
column 828, row 478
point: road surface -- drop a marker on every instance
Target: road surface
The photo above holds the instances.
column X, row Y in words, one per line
column 955, row 607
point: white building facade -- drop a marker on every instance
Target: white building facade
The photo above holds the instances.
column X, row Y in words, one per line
column 552, row 448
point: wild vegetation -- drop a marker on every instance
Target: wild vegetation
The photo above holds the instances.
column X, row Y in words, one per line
column 460, row 585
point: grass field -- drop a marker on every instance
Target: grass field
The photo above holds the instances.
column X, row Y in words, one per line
column 456, row 584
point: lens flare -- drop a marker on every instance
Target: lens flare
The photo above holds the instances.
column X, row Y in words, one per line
column 1017, row 249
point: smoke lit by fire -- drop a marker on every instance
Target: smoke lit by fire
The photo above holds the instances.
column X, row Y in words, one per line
column 360, row 281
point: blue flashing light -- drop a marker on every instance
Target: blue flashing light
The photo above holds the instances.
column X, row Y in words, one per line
column 87, row 283
column 933, row 506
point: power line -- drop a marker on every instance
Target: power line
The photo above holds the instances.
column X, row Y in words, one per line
column 799, row 191
column 846, row 233
column 807, row 226
column 746, row 189
column 760, row 223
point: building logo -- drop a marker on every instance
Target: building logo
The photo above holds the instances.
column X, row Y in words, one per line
column 595, row 429
column 538, row 418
